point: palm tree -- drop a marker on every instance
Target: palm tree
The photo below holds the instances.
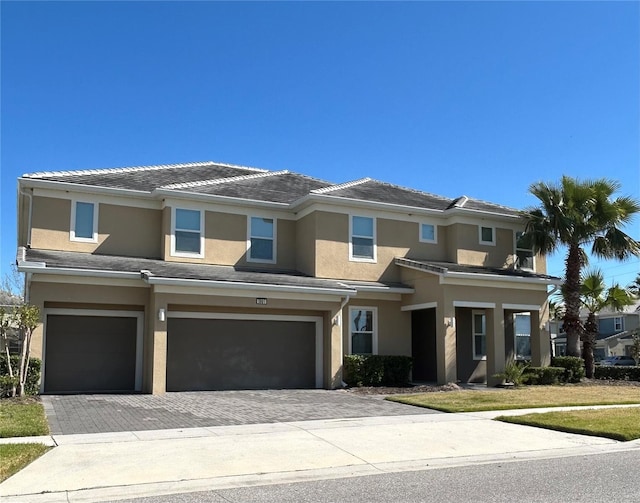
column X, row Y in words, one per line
column 634, row 286
column 595, row 297
column 579, row 214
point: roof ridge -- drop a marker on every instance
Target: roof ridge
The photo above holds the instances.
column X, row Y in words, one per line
column 216, row 181
column 126, row 169
column 345, row 185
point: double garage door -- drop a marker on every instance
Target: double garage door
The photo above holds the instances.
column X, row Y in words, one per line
column 230, row 354
column 88, row 354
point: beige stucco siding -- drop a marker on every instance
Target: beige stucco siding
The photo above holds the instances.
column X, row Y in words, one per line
column 465, row 240
column 306, row 244
column 122, row 230
column 393, row 326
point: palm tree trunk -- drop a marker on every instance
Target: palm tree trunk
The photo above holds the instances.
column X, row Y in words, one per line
column 571, row 321
column 588, row 341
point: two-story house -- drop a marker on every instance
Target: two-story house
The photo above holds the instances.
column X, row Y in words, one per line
column 208, row 276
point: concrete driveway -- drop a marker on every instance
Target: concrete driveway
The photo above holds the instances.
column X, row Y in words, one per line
column 77, row 414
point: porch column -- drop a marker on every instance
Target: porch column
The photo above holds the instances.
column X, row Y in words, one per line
column 156, row 354
column 495, row 345
column 334, row 322
column 540, row 339
column 446, row 343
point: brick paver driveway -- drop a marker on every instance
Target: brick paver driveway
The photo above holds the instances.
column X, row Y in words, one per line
column 69, row 414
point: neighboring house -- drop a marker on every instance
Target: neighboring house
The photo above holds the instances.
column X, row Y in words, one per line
column 615, row 332
column 210, row 276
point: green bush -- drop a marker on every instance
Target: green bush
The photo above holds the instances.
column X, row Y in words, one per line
column 513, row 373
column 32, row 386
column 377, row 370
column 544, row 375
column 617, row 373
column 573, row 365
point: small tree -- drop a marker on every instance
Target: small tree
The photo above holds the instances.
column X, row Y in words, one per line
column 6, row 321
column 27, row 318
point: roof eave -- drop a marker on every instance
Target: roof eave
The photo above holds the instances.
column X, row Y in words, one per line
column 80, row 187
column 215, row 198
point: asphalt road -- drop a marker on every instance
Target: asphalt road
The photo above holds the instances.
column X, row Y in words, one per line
column 597, row 478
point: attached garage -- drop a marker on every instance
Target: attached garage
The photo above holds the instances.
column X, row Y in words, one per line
column 96, row 352
column 228, row 352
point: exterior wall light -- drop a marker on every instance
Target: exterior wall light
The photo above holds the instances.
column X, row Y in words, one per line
column 162, row 314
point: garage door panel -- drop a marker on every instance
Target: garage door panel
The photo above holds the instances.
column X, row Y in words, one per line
column 205, row 354
column 90, row 353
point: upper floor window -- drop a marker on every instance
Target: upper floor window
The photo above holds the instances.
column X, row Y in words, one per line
column 187, row 237
column 479, row 335
column 84, row 222
column 617, row 323
column 524, row 252
column 428, row 233
column 261, row 242
column 522, row 329
column 363, row 338
column 362, row 245
column 487, row 235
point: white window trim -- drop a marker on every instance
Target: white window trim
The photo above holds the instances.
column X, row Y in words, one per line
column 374, row 336
column 273, row 240
column 351, row 236
column 515, row 335
column 615, row 322
column 435, row 233
column 515, row 253
column 72, row 233
column 178, row 253
column 473, row 333
column 493, row 235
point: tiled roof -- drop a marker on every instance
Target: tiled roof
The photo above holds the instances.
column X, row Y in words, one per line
column 445, row 267
column 178, row 270
column 242, row 182
column 146, row 178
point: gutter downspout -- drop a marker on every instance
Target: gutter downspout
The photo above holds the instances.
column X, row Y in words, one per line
column 344, row 302
column 28, row 194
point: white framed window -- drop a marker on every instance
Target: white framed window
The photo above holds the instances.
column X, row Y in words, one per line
column 362, row 241
column 187, row 236
column 479, row 324
column 363, row 330
column 261, row 240
column 84, row 221
column 487, row 235
column 522, row 336
column 617, row 323
column 524, row 253
column 428, row 233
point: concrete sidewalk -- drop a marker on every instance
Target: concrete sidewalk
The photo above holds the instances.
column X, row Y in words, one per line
column 113, row 466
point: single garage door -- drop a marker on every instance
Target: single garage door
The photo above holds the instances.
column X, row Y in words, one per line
column 90, row 354
column 227, row 354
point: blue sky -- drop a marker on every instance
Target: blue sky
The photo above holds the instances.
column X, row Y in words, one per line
column 474, row 98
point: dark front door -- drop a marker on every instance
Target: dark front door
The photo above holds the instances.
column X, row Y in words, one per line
column 423, row 345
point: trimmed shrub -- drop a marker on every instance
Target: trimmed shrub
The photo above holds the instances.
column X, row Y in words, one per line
column 573, row 365
column 377, row 370
column 32, row 386
column 618, row 373
column 544, row 375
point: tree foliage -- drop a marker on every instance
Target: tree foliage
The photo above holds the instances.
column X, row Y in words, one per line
column 581, row 216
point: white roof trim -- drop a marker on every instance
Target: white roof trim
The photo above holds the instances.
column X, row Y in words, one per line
column 41, row 268
column 381, row 288
column 240, row 285
column 345, row 185
column 42, row 174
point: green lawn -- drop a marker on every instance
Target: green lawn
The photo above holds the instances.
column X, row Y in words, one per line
column 14, row 457
column 22, row 418
column 522, row 398
column 618, row 424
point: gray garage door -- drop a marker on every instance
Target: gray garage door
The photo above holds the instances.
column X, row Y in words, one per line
column 90, row 354
column 205, row 354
